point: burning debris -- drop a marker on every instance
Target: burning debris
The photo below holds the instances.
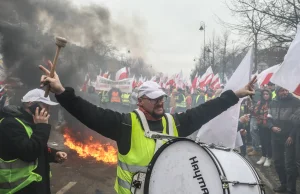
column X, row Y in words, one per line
column 90, row 147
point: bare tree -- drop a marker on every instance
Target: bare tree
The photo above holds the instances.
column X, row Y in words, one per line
column 250, row 24
column 282, row 18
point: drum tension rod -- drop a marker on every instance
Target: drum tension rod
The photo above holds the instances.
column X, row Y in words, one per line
column 214, row 146
column 234, row 183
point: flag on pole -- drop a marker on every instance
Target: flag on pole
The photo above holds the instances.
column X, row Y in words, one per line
column 206, row 77
column 264, row 77
column 122, row 74
column 222, row 130
column 288, row 74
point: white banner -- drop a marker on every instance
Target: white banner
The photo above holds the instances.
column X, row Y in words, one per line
column 104, row 84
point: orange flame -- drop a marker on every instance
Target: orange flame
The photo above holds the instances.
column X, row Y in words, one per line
column 101, row 152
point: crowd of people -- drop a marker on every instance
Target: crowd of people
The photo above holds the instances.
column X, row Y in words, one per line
column 177, row 100
column 272, row 118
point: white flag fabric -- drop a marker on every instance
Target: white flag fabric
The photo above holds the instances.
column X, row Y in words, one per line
column 222, row 130
column 122, row 74
column 288, row 75
column 264, row 77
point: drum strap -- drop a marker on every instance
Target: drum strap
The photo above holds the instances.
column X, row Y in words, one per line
column 149, row 133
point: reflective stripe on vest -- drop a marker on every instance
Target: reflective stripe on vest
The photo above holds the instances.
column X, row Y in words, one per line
column 273, row 94
column 141, row 152
column 132, row 168
column 125, row 98
column 182, row 103
column 123, row 184
column 17, row 174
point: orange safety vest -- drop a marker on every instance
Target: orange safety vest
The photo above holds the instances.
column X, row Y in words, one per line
column 115, row 97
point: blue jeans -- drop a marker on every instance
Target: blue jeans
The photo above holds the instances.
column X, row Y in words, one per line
column 254, row 134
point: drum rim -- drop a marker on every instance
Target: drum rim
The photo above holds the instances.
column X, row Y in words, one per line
column 254, row 171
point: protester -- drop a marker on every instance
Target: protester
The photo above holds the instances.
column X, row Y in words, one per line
column 173, row 101
column 243, row 120
column 180, row 101
column 24, row 132
column 135, row 150
column 254, row 150
column 261, row 114
column 199, row 98
column 271, row 87
column 114, row 96
column 283, row 109
column 188, row 100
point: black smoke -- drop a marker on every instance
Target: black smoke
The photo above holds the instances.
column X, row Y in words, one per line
column 27, row 38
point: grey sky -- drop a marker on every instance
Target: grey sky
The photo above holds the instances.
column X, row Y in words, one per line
column 171, row 35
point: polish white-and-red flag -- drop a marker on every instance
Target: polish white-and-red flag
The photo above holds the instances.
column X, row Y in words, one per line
column 264, row 77
column 215, row 82
column 288, row 74
column 206, row 77
column 105, row 75
column 122, row 74
column 195, row 80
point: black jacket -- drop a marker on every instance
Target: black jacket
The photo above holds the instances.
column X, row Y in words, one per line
column 284, row 113
column 115, row 125
column 15, row 143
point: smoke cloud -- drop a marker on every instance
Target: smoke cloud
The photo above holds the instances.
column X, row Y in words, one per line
column 28, row 28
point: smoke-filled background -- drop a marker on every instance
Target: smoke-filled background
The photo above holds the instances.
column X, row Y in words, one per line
column 28, row 29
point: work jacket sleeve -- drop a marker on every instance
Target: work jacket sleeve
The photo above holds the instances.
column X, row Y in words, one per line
column 295, row 119
column 104, row 121
column 52, row 154
column 18, row 142
column 193, row 119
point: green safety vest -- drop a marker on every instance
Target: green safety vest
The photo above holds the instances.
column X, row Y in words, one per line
column 125, row 98
column 182, row 103
column 17, row 174
column 197, row 99
column 142, row 149
column 273, row 94
column 105, row 98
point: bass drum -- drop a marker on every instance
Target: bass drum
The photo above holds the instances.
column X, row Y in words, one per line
column 181, row 166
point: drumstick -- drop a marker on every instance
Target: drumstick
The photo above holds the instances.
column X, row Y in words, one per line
column 60, row 42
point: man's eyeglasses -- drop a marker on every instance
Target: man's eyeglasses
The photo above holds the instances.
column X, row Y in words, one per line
column 157, row 100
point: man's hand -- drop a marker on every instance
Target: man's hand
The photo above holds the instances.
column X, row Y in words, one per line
column 245, row 118
column 276, row 129
column 248, row 90
column 41, row 117
column 243, row 132
column 289, row 141
column 55, row 84
column 61, row 157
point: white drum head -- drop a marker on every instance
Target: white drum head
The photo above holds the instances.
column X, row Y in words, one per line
column 180, row 167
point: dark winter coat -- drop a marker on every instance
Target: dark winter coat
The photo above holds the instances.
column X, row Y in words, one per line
column 15, row 143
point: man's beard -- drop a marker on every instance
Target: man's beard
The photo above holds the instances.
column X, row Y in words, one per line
column 157, row 116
